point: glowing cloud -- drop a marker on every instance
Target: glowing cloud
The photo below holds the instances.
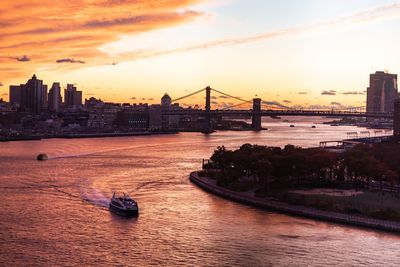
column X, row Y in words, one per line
column 60, row 31
column 66, row 31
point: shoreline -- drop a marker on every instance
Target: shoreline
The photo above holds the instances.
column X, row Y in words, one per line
column 82, row 135
column 209, row 185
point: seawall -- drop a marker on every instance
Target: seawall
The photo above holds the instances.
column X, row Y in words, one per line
column 330, row 216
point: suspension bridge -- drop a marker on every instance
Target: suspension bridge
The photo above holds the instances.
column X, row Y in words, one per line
column 256, row 108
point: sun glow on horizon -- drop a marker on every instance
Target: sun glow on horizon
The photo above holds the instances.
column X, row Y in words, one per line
column 182, row 46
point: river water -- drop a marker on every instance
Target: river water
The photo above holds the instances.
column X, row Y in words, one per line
column 55, row 212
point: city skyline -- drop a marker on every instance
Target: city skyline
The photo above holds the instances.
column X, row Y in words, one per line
column 181, row 46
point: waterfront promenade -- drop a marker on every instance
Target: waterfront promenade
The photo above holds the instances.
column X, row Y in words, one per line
column 248, row 198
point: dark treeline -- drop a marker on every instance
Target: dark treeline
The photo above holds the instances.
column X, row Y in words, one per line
column 272, row 167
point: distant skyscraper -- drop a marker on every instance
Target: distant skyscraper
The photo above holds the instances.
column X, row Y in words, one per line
column 15, row 95
column 72, row 97
column 382, row 92
column 44, row 97
column 34, row 95
column 69, row 95
column 54, row 98
column 396, row 119
column 78, row 98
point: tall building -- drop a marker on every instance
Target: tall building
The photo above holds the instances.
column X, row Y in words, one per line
column 72, row 97
column 54, row 98
column 382, row 92
column 44, row 96
column 78, row 98
column 396, row 119
column 33, row 90
column 15, row 95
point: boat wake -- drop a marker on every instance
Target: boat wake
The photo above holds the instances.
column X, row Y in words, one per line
column 136, row 146
column 90, row 153
column 156, row 183
column 77, row 155
column 85, row 194
column 95, row 197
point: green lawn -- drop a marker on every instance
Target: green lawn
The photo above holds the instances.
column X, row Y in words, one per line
column 386, row 206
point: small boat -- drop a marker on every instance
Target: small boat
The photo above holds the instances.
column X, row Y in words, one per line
column 313, row 126
column 291, row 125
column 42, row 156
column 124, row 205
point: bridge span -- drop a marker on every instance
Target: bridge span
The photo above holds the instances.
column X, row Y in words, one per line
column 268, row 113
column 257, row 111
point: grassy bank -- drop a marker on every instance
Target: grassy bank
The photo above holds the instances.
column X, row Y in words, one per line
column 248, row 198
column 373, row 204
column 274, row 172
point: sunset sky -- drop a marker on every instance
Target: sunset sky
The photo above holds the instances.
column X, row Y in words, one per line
column 295, row 52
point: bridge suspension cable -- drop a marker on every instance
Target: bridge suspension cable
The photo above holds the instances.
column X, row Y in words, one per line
column 243, row 101
column 189, row 95
column 235, row 97
column 275, row 105
column 236, row 105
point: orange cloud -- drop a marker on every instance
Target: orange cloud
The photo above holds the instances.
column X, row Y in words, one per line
column 45, row 32
column 38, row 34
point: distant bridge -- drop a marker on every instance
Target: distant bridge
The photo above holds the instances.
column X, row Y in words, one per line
column 257, row 111
column 291, row 112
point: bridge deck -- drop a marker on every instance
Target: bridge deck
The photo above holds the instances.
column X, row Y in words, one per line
column 280, row 113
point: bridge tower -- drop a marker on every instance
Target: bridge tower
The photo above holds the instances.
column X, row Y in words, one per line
column 208, row 99
column 207, row 118
column 256, row 117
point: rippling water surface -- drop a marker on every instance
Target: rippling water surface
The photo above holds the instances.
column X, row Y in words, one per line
column 55, row 212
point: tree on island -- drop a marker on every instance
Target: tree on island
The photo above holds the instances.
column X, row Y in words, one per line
column 274, row 167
